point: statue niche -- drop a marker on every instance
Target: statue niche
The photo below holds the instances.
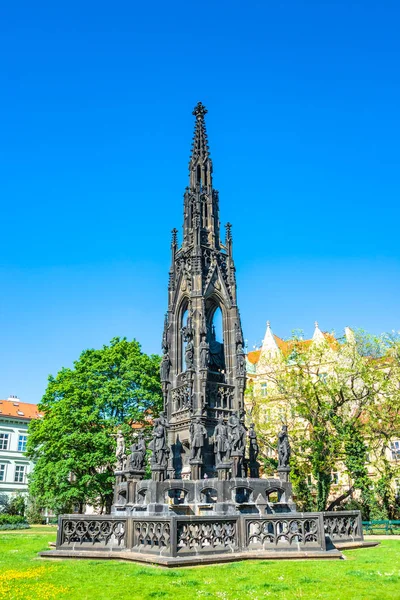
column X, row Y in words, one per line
column 215, row 340
column 187, row 344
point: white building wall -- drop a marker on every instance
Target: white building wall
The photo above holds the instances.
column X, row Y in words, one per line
column 14, row 465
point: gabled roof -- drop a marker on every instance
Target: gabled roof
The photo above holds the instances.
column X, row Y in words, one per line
column 286, row 347
column 254, row 356
column 19, row 410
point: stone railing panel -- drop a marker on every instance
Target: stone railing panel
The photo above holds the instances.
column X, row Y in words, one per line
column 343, row 526
column 279, row 533
column 152, row 536
column 194, row 537
column 92, row 532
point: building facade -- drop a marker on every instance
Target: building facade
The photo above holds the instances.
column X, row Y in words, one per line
column 14, row 466
column 259, row 366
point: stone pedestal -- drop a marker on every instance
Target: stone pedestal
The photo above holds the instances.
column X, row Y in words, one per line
column 158, row 473
column 283, row 473
column 196, row 468
column 237, row 465
column 223, row 470
column 135, row 474
column 254, row 470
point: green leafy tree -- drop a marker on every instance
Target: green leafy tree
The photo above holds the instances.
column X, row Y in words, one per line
column 341, row 401
column 73, row 445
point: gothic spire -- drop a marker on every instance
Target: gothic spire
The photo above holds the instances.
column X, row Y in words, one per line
column 201, row 204
column 200, row 165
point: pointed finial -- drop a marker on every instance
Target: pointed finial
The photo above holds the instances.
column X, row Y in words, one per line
column 174, row 233
column 199, row 111
column 268, row 324
column 316, row 325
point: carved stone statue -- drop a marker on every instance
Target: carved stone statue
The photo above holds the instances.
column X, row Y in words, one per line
column 138, row 454
column 203, row 326
column 189, row 354
column 242, row 435
column 198, row 434
column 238, row 336
column 283, row 448
column 120, row 450
column 253, row 445
column 164, row 367
column 158, row 444
column 236, row 434
column 165, row 337
column 204, row 354
column 241, row 364
column 163, row 419
column 221, row 442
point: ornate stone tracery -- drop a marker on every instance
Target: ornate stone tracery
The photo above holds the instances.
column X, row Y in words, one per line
column 283, row 531
column 207, row 534
column 342, row 526
column 94, row 532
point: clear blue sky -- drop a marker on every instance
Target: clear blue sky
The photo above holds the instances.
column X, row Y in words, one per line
column 304, row 130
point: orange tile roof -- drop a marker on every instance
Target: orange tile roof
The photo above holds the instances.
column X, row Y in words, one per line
column 19, row 410
column 287, row 346
column 254, row 357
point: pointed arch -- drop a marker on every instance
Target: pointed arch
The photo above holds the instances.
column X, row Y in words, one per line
column 182, row 314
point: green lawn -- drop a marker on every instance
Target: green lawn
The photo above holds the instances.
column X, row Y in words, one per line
column 366, row 574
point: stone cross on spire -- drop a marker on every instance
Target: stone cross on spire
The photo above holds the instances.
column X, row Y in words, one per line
column 199, row 111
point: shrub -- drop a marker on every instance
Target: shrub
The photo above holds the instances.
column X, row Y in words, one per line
column 17, row 504
column 8, row 526
column 12, row 520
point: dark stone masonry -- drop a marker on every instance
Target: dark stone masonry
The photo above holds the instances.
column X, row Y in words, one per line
column 205, row 501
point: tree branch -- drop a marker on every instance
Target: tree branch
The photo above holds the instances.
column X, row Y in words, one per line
column 340, row 499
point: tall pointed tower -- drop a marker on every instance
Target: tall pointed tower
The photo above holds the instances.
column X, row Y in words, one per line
column 203, row 368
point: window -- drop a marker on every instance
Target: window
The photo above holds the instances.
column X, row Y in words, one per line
column 2, row 472
column 22, row 443
column 395, row 448
column 335, row 478
column 264, row 389
column 4, row 441
column 19, row 474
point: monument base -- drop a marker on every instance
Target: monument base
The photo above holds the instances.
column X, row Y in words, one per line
column 185, row 522
column 191, row 561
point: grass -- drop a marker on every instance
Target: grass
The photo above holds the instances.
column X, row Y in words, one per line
column 367, row 574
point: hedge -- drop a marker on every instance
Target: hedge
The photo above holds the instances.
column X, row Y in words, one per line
column 13, row 522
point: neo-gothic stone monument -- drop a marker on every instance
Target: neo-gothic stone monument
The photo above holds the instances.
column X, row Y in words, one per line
column 205, row 500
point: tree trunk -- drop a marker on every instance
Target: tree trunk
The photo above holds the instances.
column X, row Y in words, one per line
column 340, row 499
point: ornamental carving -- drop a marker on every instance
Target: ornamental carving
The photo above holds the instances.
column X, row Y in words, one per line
column 342, row 527
column 152, row 534
column 206, row 535
column 220, row 395
column 181, row 398
column 101, row 532
column 282, row 531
